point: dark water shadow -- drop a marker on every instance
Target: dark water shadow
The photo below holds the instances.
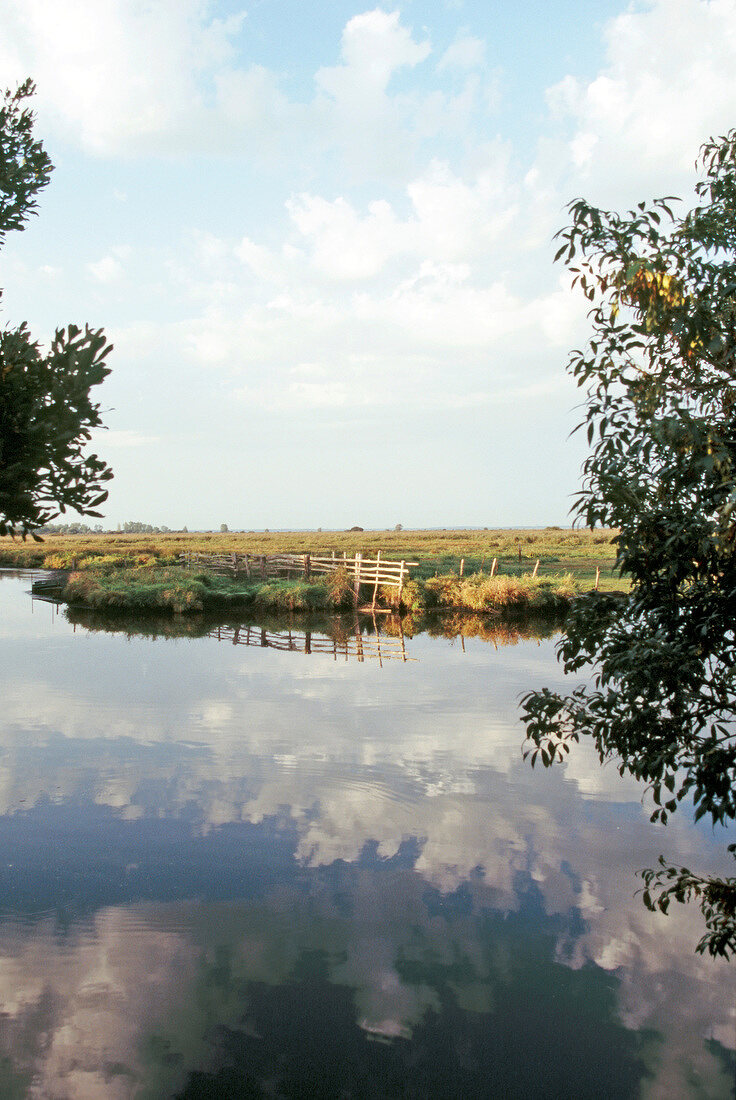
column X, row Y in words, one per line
column 357, row 635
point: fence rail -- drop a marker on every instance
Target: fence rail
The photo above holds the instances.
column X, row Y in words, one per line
column 378, row 571
column 358, row 646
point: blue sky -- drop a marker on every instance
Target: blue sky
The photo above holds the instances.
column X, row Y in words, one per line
column 319, row 236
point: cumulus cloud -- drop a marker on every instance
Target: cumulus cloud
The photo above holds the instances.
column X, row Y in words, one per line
column 374, row 46
column 130, row 69
column 466, row 52
column 667, row 85
column 140, row 78
column 377, row 226
column 106, row 270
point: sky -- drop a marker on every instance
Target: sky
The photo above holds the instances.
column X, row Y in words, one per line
column 319, row 237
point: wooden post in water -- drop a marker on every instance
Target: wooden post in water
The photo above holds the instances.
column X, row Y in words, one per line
column 356, row 581
column 536, row 567
column 377, row 636
column 403, row 646
column 375, row 586
column 358, row 638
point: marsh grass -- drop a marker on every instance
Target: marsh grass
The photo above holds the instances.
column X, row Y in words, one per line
column 479, row 592
column 180, row 591
column 560, row 550
column 147, row 589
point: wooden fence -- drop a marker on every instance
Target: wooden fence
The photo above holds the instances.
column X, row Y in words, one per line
column 378, row 572
column 359, row 646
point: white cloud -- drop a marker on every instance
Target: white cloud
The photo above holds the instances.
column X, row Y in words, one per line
column 130, row 69
column 263, row 262
column 106, row 270
column 346, row 246
column 466, row 52
column 121, row 439
column 450, row 220
column 666, row 87
column 374, row 47
column 136, row 78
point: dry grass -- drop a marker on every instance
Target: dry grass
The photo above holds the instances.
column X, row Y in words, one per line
column 559, row 550
column 478, row 592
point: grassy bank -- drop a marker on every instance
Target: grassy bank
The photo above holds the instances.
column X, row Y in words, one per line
column 180, row 591
column 559, row 550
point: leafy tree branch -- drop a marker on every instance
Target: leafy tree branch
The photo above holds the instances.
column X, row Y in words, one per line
column 46, row 412
column 660, row 417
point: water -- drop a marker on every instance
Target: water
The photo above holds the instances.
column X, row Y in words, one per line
column 237, row 871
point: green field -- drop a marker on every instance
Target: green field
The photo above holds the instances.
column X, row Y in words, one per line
column 559, row 550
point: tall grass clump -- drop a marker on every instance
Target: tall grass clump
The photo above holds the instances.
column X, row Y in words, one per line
column 298, row 596
column 500, row 594
column 339, row 587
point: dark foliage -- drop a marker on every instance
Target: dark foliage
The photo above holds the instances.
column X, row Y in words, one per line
column 46, row 413
column 659, row 378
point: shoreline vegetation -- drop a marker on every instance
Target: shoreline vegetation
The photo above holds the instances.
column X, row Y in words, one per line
column 141, row 573
column 182, row 591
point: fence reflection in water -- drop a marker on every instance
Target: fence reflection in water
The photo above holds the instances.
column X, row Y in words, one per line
column 358, row 645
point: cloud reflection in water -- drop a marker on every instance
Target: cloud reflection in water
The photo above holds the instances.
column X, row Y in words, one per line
column 205, row 847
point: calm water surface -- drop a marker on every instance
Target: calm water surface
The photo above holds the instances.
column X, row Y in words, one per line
column 233, row 871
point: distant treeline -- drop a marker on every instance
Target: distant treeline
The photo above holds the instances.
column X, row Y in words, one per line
column 131, row 527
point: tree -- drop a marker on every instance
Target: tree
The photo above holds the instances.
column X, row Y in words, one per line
column 46, row 413
column 660, row 414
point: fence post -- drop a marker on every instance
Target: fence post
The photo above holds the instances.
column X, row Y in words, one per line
column 356, row 582
column 597, row 576
column 494, row 564
column 536, row 567
column 307, row 566
column 462, row 566
column 401, row 585
column 375, row 587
